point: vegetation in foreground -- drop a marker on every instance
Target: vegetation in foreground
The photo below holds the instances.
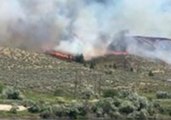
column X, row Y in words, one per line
column 111, row 104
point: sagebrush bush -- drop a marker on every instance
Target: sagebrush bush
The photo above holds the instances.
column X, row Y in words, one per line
column 151, row 109
column 87, row 94
column 124, row 94
column 47, row 112
column 162, row 95
column 105, row 106
column 12, row 93
column 126, row 103
column 35, row 108
column 170, row 112
column 60, row 92
column 72, row 111
column 143, row 115
column 1, row 87
column 150, row 73
column 138, row 115
column 126, row 107
column 110, row 93
column 143, row 103
column 14, row 109
column 28, row 103
column 122, row 105
column 117, row 101
column 75, row 110
column 116, row 115
column 167, row 111
column 92, row 64
column 59, row 110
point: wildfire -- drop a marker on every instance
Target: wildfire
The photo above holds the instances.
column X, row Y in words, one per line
column 118, row 53
column 60, row 55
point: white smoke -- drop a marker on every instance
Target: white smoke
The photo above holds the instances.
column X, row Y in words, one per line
column 83, row 26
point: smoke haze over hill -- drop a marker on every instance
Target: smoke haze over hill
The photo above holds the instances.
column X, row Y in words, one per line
column 84, row 26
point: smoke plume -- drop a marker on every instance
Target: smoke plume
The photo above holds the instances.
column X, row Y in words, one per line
column 86, row 27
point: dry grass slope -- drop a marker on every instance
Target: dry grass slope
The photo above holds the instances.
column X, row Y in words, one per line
column 40, row 72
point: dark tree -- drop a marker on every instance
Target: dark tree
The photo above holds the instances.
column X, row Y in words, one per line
column 79, row 58
column 92, row 64
column 150, row 73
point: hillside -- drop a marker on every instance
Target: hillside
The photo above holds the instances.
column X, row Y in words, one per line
column 45, row 78
column 41, row 72
column 38, row 71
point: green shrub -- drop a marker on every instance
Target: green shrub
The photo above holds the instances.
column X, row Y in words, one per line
column 138, row 115
column 143, row 115
column 143, row 103
column 108, row 72
column 119, row 106
column 87, row 94
column 162, row 110
column 117, row 101
column 60, row 100
column 167, row 111
column 14, row 109
column 114, row 66
column 76, row 110
column 82, row 110
column 92, row 64
column 162, row 95
column 60, row 92
column 170, row 112
column 99, row 112
column 150, row 73
column 47, row 112
column 132, row 96
column 59, row 110
column 12, row 93
column 125, row 94
column 116, row 115
column 132, row 69
column 28, row 103
column 73, row 112
column 55, row 111
column 105, row 106
column 1, row 88
column 110, row 66
column 127, row 107
column 151, row 110
column 35, row 108
column 110, row 93
column 169, row 95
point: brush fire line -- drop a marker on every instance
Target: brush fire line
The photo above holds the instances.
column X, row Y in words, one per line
column 65, row 56
column 118, row 53
column 60, row 55
column 80, row 58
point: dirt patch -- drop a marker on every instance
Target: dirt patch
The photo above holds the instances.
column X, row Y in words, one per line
column 6, row 107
